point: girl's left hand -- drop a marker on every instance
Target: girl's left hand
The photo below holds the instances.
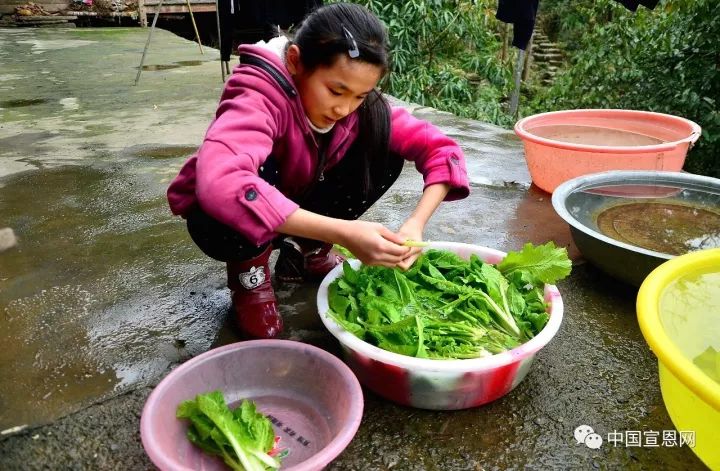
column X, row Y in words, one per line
column 411, row 230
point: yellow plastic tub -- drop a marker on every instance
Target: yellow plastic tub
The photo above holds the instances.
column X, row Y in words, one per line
column 678, row 308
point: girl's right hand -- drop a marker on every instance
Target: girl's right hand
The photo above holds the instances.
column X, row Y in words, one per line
column 373, row 244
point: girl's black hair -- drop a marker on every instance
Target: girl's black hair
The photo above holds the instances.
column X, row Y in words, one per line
column 353, row 30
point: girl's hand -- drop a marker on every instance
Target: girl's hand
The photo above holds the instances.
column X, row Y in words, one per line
column 411, row 230
column 374, row 244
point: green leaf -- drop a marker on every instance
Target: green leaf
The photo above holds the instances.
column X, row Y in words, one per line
column 242, row 437
column 443, row 307
column 349, row 273
column 544, row 263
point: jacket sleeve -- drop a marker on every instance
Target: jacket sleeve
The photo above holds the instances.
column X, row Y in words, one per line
column 228, row 187
column 437, row 157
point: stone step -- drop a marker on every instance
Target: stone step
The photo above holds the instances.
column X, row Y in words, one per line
column 42, row 23
column 549, row 55
column 23, row 19
column 549, row 52
column 64, row 24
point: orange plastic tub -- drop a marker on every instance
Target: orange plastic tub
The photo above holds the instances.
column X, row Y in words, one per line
column 562, row 145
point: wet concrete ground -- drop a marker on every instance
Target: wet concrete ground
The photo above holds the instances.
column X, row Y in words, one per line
column 105, row 292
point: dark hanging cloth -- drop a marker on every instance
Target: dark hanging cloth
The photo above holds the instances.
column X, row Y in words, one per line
column 632, row 5
column 228, row 12
column 271, row 13
column 262, row 17
column 521, row 13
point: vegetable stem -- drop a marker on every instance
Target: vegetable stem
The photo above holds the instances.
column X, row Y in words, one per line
column 415, row 243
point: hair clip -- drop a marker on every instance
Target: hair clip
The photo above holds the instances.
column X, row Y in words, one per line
column 353, row 52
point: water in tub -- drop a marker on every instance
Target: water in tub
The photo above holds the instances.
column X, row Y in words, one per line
column 663, row 226
column 690, row 313
column 592, row 135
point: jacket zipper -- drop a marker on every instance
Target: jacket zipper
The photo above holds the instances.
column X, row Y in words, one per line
column 322, row 160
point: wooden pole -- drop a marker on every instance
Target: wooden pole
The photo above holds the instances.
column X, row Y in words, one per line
column 528, row 59
column 515, row 98
column 192, row 18
column 147, row 44
column 503, row 51
column 217, row 18
column 142, row 13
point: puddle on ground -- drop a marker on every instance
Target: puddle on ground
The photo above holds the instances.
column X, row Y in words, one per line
column 155, row 67
column 21, row 103
column 174, row 65
column 190, row 63
column 40, row 46
column 166, row 152
column 24, row 141
column 99, row 266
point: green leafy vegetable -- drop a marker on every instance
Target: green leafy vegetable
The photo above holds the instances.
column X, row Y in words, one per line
column 242, row 437
column 447, row 307
column 343, row 251
column 537, row 264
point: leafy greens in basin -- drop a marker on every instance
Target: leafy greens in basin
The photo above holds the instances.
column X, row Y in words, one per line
column 445, row 307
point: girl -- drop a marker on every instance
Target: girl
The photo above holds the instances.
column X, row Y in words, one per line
column 302, row 144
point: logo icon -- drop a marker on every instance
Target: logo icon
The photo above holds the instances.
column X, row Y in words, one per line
column 253, row 278
column 585, row 434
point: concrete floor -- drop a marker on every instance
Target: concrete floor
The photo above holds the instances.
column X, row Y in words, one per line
column 105, row 292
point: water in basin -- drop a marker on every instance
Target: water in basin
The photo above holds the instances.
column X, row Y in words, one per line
column 664, row 227
column 668, row 218
column 690, row 314
column 592, row 135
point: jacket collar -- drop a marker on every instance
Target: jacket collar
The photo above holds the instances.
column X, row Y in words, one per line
column 342, row 127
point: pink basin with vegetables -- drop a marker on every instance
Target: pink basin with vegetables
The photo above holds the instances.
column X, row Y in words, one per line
column 562, row 145
column 313, row 400
column 440, row 384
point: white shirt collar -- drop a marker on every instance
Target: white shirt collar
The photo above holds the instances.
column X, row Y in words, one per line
column 277, row 45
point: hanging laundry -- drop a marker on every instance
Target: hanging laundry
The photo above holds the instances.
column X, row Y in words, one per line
column 271, row 13
column 262, row 17
column 522, row 16
column 632, row 5
column 228, row 14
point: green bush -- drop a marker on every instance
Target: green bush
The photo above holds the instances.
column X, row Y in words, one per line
column 666, row 60
column 445, row 55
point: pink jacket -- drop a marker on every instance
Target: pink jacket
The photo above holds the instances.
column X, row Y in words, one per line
column 255, row 119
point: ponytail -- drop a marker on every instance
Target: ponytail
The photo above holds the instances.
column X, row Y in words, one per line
column 372, row 145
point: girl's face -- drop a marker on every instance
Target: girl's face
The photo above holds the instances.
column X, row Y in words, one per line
column 328, row 94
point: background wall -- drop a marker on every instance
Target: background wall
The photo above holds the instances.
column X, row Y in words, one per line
column 51, row 6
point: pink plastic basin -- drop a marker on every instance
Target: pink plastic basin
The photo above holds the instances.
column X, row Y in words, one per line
column 440, row 384
column 602, row 140
column 313, row 399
